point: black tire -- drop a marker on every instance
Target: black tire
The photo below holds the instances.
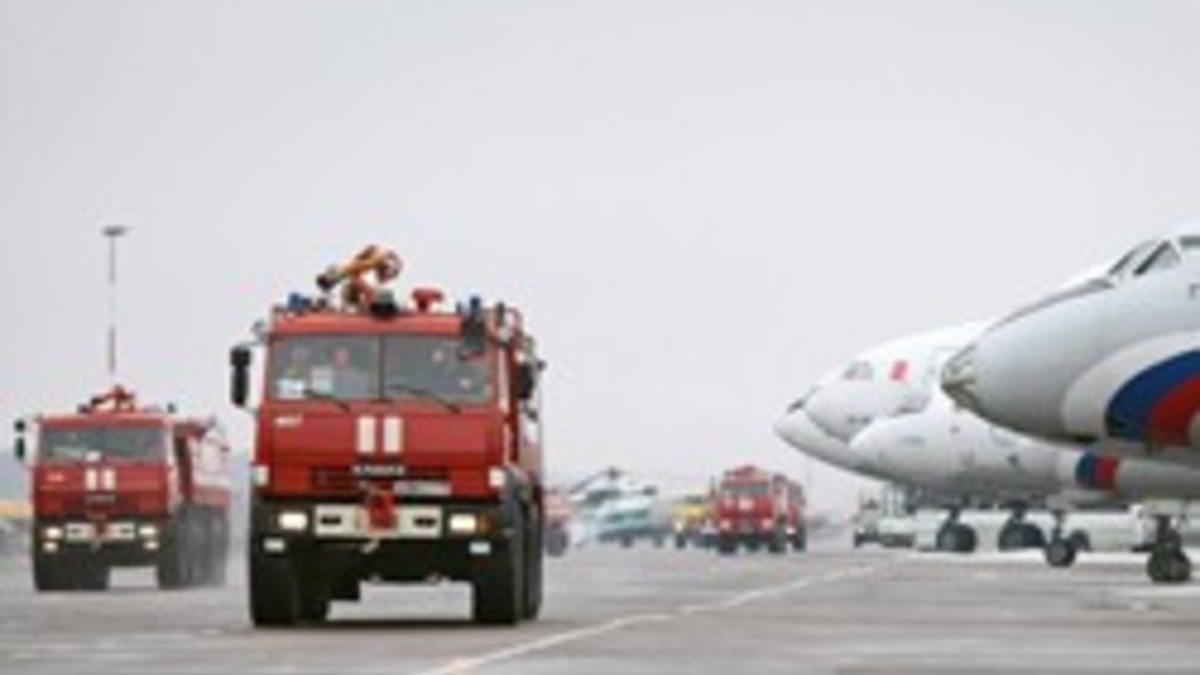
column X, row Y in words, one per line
column 957, row 538
column 1019, row 536
column 274, row 591
column 220, row 549
column 557, row 541
column 534, row 570
column 727, row 545
column 93, row 575
column 49, row 575
column 498, row 594
column 777, row 544
column 312, row 600
column 800, row 540
column 1060, row 553
column 173, row 569
column 626, row 541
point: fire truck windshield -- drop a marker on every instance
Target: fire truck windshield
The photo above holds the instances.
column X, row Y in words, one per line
column 365, row 367
column 78, row 444
column 746, row 489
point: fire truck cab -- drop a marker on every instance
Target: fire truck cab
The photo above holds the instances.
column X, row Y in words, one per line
column 755, row 509
column 394, row 443
column 116, row 484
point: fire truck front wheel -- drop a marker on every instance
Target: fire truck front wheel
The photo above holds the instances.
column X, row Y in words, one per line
column 498, row 593
column 274, row 592
column 533, row 558
column 69, row 574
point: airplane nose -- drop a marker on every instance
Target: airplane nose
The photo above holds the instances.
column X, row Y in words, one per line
column 960, row 378
column 798, row 430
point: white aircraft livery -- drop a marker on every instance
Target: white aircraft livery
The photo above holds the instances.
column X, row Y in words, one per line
column 885, row 416
column 1114, row 357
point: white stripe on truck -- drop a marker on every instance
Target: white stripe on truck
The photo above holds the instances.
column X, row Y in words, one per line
column 393, row 435
column 366, row 435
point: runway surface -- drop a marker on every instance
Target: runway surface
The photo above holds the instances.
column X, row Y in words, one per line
column 831, row 610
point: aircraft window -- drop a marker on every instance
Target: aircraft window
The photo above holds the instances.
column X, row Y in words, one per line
column 1164, row 258
column 859, row 370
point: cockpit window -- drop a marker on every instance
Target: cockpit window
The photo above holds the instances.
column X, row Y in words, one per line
column 1130, row 259
column 1164, row 258
column 859, row 370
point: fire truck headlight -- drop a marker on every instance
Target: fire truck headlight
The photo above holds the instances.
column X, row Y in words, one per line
column 726, row 524
column 148, row 532
column 293, row 521
column 52, row 533
column 261, row 475
column 767, row 523
column 497, row 478
column 464, row 523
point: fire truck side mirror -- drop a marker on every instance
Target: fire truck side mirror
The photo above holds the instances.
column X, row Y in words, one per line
column 525, row 381
column 239, row 386
column 19, row 446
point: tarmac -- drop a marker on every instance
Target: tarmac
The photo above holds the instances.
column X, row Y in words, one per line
column 646, row 610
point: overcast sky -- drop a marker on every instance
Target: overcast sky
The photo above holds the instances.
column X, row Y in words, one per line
column 701, row 206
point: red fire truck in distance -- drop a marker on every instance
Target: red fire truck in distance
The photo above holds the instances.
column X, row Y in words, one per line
column 755, row 509
column 116, row 484
column 394, row 443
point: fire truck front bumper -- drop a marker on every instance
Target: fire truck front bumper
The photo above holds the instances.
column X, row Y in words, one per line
column 120, row 541
column 417, row 542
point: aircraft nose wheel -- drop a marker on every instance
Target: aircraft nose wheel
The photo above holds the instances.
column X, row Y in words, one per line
column 1169, row 567
column 1061, row 553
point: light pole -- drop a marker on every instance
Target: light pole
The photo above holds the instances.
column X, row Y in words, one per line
column 112, row 232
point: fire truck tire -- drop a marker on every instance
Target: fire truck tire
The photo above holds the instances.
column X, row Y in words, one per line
column 680, row 542
column 274, row 594
column 800, row 540
column 220, row 549
column 174, row 567
column 556, row 541
column 777, row 544
column 498, row 594
column 727, row 546
column 312, row 597
column 49, row 575
column 533, row 567
column 195, row 553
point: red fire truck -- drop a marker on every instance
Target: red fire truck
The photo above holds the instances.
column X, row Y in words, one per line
column 116, row 484
column 395, row 442
column 755, row 509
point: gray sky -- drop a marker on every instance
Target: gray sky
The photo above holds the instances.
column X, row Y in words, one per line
column 701, row 206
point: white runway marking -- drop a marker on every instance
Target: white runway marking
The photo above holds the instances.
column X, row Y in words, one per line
column 468, row 665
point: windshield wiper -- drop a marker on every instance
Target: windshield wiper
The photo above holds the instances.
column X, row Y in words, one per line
column 315, row 395
column 424, row 393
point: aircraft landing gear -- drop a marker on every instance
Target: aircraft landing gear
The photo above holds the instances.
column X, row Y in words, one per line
column 1061, row 551
column 1168, row 564
column 954, row 537
column 1018, row 534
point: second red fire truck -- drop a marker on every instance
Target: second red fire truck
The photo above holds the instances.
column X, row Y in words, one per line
column 115, row 484
column 756, row 509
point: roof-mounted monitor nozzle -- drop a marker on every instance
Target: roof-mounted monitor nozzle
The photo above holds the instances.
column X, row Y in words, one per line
column 357, row 291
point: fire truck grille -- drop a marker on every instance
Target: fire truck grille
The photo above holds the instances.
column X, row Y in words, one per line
column 346, row 480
